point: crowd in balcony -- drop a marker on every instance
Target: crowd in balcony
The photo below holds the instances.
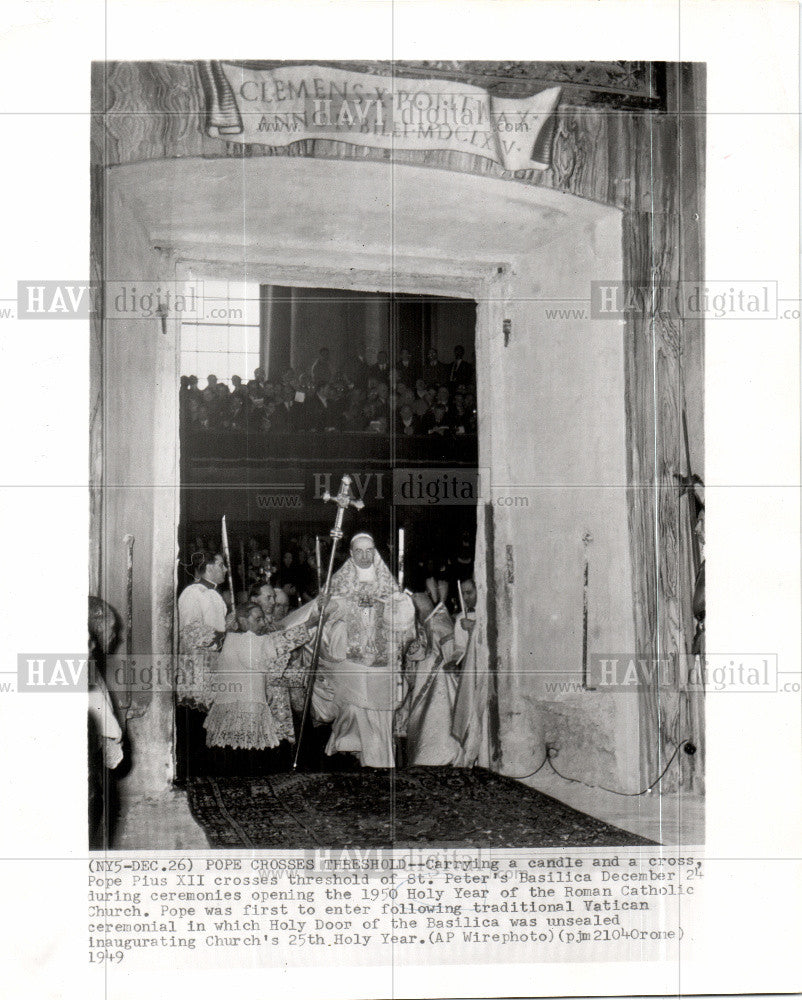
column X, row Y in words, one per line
column 436, row 399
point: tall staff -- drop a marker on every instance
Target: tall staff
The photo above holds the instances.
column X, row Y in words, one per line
column 227, row 556
column 344, row 500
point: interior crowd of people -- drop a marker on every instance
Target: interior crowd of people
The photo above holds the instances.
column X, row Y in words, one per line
column 437, row 398
column 294, row 577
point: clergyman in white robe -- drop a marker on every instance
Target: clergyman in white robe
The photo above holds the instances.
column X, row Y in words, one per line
column 432, row 689
column 359, row 684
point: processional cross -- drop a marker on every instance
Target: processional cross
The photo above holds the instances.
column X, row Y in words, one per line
column 344, row 500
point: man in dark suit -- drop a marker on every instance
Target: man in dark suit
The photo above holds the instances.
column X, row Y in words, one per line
column 461, row 373
column 285, row 417
column 435, row 373
column 321, row 412
column 407, row 369
column 381, row 370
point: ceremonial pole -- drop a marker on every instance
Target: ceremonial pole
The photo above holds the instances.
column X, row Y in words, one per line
column 227, row 556
column 343, row 501
column 319, row 563
column 401, row 559
column 128, row 541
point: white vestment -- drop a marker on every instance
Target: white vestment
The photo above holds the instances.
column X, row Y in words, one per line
column 469, row 727
column 432, row 692
column 249, row 690
column 359, row 685
column 201, row 617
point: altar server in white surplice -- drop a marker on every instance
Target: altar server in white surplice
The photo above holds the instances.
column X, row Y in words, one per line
column 250, row 685
column 201, row 629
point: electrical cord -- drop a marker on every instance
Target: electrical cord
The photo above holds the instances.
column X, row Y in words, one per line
column 552, row 752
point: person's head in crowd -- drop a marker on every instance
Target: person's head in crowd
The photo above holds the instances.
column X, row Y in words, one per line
column 282, row 605
column 287, row 394
column 420, row 388
column 419, row 406
column 470, row 400
column 439, row 412
column 431, row 356
column 211, row 567
column 211, row 381
column 236, row 381
column 381, row 359
column 250, row 617
column 459, row 402
column 184, row 382
column 459, row 352
column 264, row 595
column 288, row 559
column 382, row 392
column 469, row 594
column 323, row 355
column 103, row 625
column 442, row 396
column 429, row 396
column 325, row 390
column 304, row 381
column 222, row 389
column 405, row 357
column 259, row 374
column 256, row 393
column 288, row 377
column 406, row 414
column 193, row 381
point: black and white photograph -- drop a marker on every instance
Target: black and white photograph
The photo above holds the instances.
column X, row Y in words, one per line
column 401, row 493
column 398, row 453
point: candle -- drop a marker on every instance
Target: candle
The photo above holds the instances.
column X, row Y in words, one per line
column 401, row 558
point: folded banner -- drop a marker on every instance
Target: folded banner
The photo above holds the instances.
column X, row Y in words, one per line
column 288, row 104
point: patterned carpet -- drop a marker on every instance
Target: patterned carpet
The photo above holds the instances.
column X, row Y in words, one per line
column 438, row 806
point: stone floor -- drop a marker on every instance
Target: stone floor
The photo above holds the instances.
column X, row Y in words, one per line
column 674, row 819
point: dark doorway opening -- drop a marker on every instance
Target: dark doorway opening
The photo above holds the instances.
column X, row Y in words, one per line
column 400, row 417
